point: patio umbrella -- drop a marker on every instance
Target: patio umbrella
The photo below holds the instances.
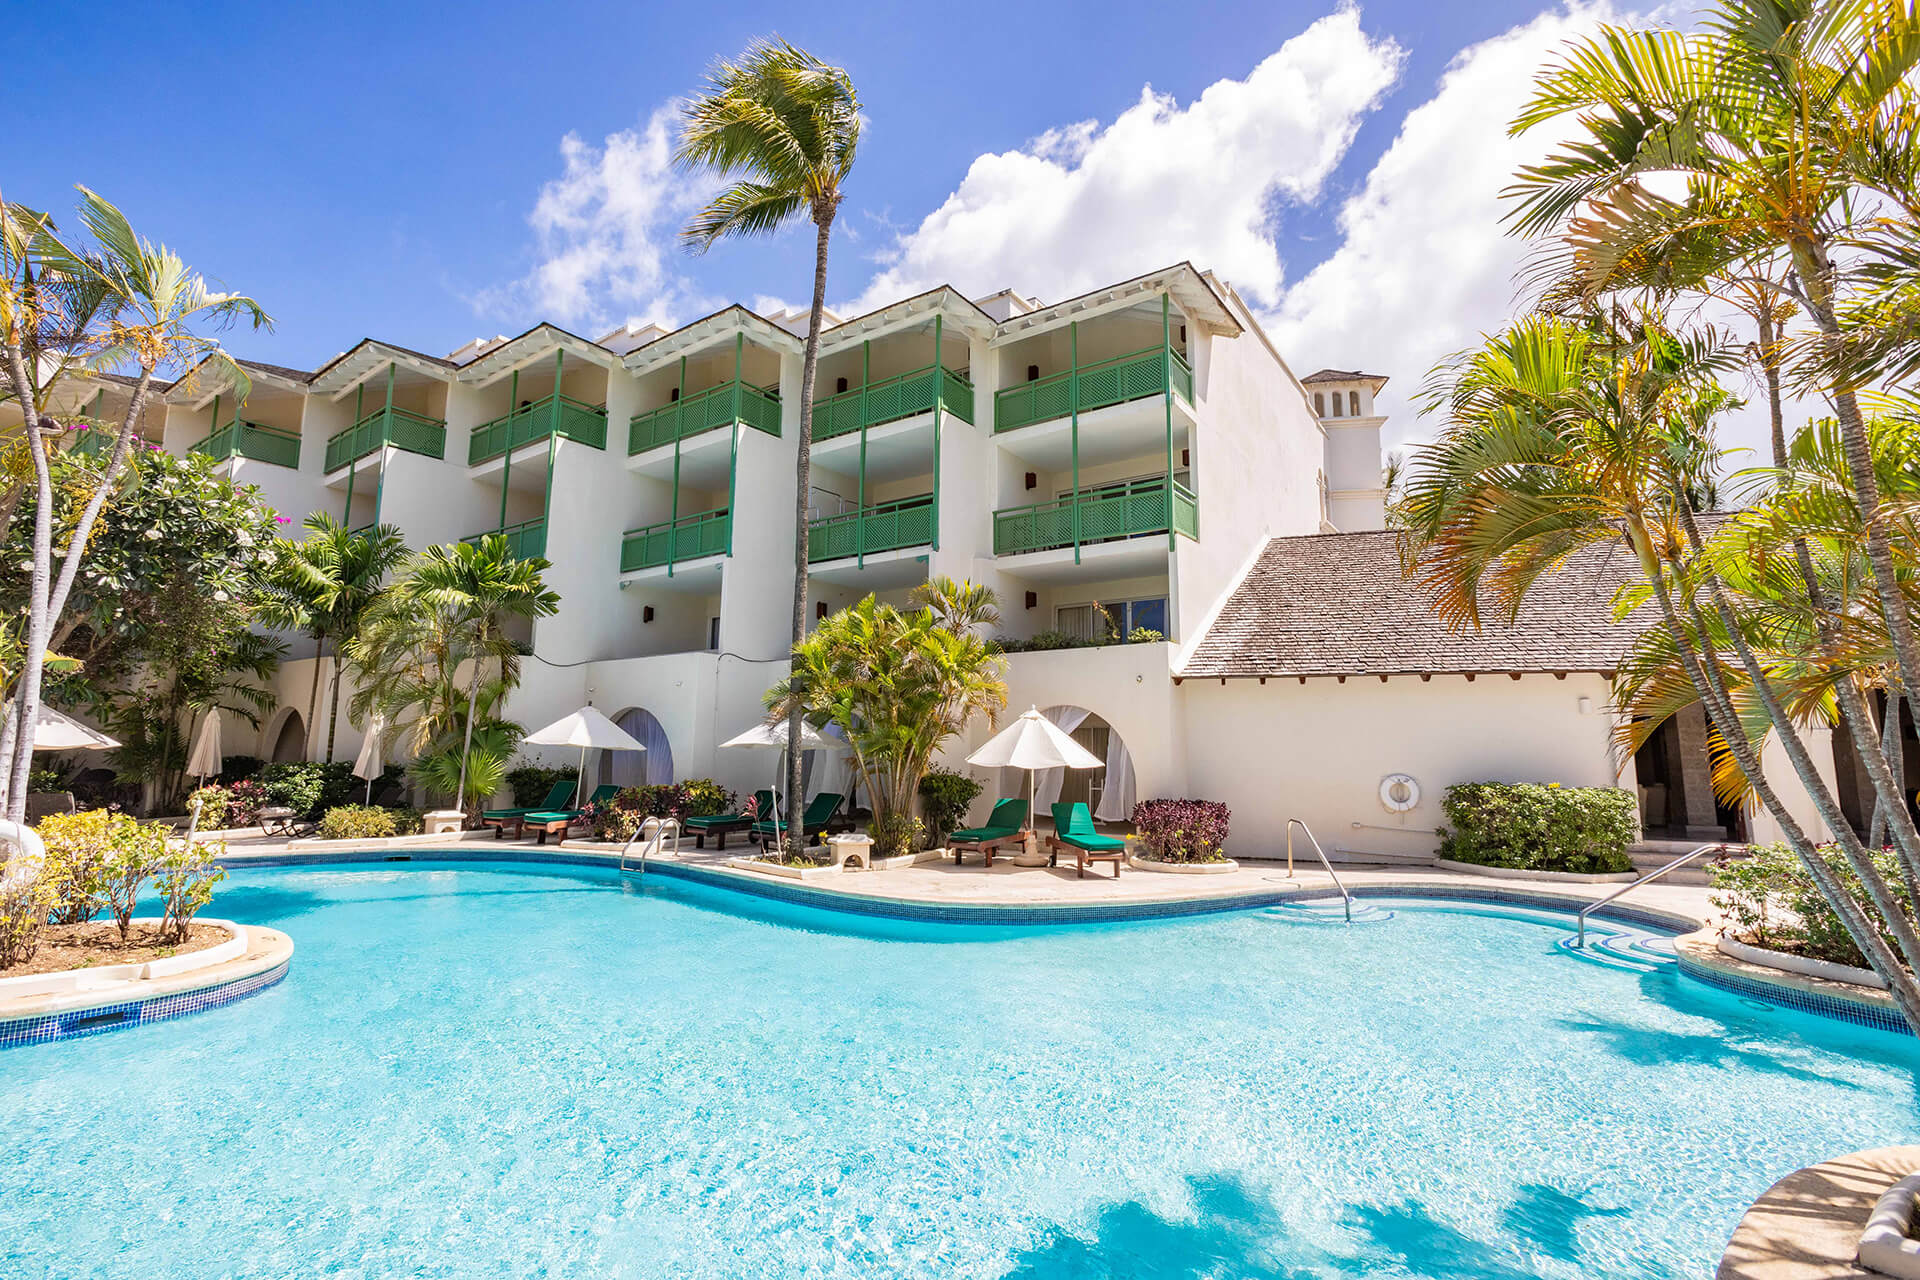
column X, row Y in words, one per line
column 205, row 759
column 1033, row 742
column 371, row 762
column 773, row 733
column 583, row 729
column 55, row 732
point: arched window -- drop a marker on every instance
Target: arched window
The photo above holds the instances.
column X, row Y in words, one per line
column 1319, row 405
column 1336, row 404
column 1353, row 403
column 652, row 767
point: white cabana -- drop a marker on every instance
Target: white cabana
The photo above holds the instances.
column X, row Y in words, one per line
column 585, row 728
column 1033, row 743
column 205, row 759
column 372, row 761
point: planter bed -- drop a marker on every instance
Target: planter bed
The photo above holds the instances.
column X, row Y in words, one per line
column 1521, row 873
column 820, row 872
column 1792, row 963
column 1219, row 868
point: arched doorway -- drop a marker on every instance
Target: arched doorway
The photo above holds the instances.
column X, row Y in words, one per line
column 1108, row 792
column 290, row 743
column 652, row 767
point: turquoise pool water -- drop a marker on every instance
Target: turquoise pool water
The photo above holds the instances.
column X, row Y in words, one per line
column 520, row 1071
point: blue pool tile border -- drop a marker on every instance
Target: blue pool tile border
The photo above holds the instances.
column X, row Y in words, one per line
column 134, row 1013
column 797, row 893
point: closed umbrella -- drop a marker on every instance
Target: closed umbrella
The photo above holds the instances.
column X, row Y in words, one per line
column 583, row 729
column 205, row 759
column 371, row 762
column 773, row 733
column 1033, row 742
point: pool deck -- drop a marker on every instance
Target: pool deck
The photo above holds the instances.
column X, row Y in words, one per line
column 1808, row 1225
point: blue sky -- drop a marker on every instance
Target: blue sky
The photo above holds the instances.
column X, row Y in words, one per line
column 383, row 170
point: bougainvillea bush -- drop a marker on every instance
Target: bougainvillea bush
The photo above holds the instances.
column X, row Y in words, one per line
column 1182, row 830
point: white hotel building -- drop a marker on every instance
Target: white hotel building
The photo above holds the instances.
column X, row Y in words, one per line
column 1143, row 447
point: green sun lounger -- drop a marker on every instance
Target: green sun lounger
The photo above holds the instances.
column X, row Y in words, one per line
column 1003, row 824
column 719, row 824
column 500, row 819
column 820, row 810
column 1073, row 828
column 556, row 821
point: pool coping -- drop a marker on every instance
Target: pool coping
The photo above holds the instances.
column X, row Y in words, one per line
column 1807, row 1226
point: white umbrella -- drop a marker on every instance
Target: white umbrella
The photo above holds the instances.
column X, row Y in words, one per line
column 55, row 732
column 372, row 762
column 1033, row 742
column 585, row 728
column 773, row 733
column 205, row 759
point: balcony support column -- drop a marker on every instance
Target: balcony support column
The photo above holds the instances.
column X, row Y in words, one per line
column 386, row 428
column 939, row 373
column 553, row 446
column 1073, row 412
column 733, row 433
column 353, row 464
column 860, row 505
column 673, row 529
column 214, row 430
column 506, row 459
column 1166, row 376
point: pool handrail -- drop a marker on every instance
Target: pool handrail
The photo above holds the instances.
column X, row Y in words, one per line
column 656, row 829
column 1346, row 899
column 1655, row 874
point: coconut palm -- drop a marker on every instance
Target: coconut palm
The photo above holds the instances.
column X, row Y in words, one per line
column 782, row 127
column 469, row 590
column 1559, row 437
column 324, row 585
column 147, row 312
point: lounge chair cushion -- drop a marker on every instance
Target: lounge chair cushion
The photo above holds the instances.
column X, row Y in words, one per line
column 557, row 798
column 1073, row 825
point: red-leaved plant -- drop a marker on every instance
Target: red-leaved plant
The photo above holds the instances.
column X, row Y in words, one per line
column 1182, row 830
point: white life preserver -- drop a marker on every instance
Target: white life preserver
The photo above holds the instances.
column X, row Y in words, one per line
column 1399, row 792
column 22, row 867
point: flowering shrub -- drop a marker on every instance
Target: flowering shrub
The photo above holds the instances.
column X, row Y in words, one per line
column 185, row 877
column 78, row 845
column 896, row 834
column 1771, row 900
column 612, row 822
column 1183, row 830
column 368, row 822
column 245, row 799
column 135, row 850
column 619, row 819
column 213, row 807
column 1539, row 826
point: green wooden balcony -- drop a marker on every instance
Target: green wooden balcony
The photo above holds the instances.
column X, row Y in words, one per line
column 414, row 432
column 888, row 526
column 705, row 411
column 1102, row 515
column 892, row 399
column 243, row 439
column 525, row 541
column 570, row 419
column 691, row 537
column 1135, row 376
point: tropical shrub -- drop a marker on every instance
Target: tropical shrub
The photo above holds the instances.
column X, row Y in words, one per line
column 310, row 788
column 530, row 783
column 185, row 876
column 1539, row 826
column 945, row 797
column 23, row 910
column 1043, row 642
column 78, row 845
column 613, row 821
column 213, row 807
column 44, row 778
column 235, row 768
column 1183, row 830
column 895, row 834
column 702, row 798
column 1771, row 900
column 368, row 822
column 245, row 799
column 135, row 851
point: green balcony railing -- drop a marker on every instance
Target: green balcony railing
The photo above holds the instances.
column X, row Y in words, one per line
column 688, row 538
column 1134, row 376
column 525, row 540
column 704, row 411
column 576, row 420
column 95, row 443
column 889, row 526
column 401, row 428
column 1119, row 511
column 243, row 439
column 891, row 399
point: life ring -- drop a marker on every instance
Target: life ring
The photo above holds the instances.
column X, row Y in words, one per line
column 1399, row 792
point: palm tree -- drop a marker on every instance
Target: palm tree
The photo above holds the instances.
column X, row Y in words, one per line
column 325, row 586
column 783, row 126
column 469, row 590
column 153, row 303
column 958, row 606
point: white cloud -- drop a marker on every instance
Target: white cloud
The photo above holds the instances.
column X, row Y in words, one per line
column 604, row 232
column 1083, row 205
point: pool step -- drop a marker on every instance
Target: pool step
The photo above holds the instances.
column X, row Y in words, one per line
column 1622, row 949
column 1325, row 911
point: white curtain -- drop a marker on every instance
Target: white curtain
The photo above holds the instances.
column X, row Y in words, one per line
column 828, row 770
column 1047, row 782
column 651, row 767
column 1116, row 797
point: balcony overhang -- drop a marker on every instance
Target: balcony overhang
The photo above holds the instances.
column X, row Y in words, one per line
column 711, row 331
column 533, row 347
column 338, row 377
column 1142, row 556
column 958, row 316
column 1199, row 302
column 197, row 387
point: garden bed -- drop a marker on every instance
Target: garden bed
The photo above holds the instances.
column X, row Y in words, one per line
column 1774, row 958
column 97, row 943
column 1216, row 868
column 789, row 870
column 1522, row 873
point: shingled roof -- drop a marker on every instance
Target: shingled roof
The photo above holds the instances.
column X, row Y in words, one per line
column 1337, row 605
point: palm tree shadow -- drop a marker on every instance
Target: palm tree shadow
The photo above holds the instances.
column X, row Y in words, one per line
column 1650, row 1047
column 1236, row 1232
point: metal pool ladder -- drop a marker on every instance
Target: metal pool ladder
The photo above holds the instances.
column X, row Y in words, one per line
column 653, row 831
column 1346, row 899
column 1648, row 878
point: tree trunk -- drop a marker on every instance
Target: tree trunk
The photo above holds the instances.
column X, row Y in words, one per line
column 333, row 704
column 803, row 480
column 466, row 746
column 313, row 692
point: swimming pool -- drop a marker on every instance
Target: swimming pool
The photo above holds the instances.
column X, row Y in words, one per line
column 515, row 1070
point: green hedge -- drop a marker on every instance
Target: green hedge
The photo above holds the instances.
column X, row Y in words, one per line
column 1539, row 826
